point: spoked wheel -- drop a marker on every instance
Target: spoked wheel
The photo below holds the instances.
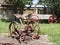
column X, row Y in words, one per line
column 15, row 29
column 15, row 26
column 34, row 22
column 52, row 19
column 12, row 27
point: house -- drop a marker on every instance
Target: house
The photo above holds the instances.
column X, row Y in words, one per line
column 37, row 9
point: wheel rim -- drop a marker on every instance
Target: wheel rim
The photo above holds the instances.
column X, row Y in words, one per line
column 52, row 19
column 35, row 24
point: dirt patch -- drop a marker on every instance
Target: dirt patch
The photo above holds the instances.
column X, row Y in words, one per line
column 5, row 40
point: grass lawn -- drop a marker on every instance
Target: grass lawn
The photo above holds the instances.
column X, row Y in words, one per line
column 52, row 30
column 3, row 27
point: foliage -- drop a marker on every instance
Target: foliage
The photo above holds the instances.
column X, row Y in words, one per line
column 53, row 5
column 19, row 5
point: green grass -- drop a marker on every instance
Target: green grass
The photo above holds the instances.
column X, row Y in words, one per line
column 52, row 30
column 3, row 27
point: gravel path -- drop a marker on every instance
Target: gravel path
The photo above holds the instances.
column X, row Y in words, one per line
column 42, row 41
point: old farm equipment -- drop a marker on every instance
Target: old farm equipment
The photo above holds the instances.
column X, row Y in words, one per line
column 52, row 19
column 25, row 31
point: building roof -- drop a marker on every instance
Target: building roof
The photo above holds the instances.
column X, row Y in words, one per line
column 33, row 6
column 2, row 2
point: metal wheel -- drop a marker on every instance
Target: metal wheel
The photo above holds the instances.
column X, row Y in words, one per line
column 15, row 25
column 52, row 19
column 34, row 22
